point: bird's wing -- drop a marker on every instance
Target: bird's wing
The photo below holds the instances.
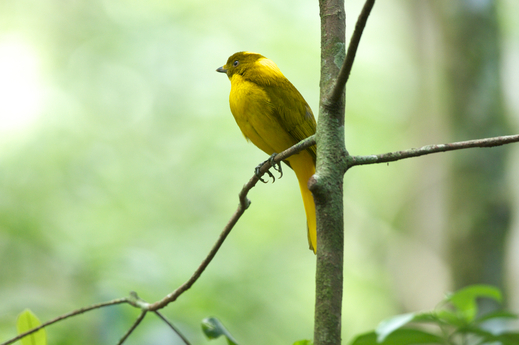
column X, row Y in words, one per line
column 291, row 110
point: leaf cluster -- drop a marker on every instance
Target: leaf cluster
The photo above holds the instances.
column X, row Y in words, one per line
column 456, row 321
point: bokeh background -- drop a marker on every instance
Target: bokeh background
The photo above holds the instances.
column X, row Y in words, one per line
column 120, row 163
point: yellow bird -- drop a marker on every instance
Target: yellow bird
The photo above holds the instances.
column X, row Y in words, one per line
column 274, row 116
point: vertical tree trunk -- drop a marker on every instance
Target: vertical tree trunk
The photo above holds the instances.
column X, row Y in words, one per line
column 327, row 183
column 479, row 197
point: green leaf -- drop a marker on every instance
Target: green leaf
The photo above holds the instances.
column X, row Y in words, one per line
column 304, row 342
column 465, row 299
column 451, row 318
column 27, row 321
column 511, row 338
column 499, row 314
column 399, row 337
column 505, row 338
column 388, row 326
column 213, row 329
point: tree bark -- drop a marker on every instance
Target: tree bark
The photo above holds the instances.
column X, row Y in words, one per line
column 326, row 185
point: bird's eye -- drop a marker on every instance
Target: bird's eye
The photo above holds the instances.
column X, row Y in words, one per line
column 236, row 63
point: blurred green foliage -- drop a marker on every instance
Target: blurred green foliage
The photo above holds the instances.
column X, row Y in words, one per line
column 125, row 164
column 456, row 320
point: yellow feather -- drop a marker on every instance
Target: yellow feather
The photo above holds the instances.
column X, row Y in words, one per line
column 273, row 115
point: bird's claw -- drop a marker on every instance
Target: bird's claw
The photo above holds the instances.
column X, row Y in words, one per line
column 275, row 165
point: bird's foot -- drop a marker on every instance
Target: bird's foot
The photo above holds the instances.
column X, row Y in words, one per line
column 275, row 165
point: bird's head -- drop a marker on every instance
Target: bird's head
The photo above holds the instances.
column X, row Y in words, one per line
column 251, row 66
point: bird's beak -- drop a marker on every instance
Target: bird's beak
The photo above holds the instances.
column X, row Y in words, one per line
column 221, row 70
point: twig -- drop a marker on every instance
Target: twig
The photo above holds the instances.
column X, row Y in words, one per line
column 132, row 328
column 172, row 327
column 344, row 74
column 184, row 287
column 66, row 316
column 300, row 146
column 425, row 150
column 243, row 205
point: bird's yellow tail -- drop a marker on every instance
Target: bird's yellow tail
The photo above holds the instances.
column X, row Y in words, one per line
column 304, row 167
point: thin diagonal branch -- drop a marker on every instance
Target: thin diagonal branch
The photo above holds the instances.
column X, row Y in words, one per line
column 133, row 327
column 425, row 150
column 344, row 74
column 300, row 146
column 172, row 327
column 243, row 205
column 66, row 316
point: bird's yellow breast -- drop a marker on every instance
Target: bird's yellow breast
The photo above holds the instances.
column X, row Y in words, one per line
column 253, row 111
